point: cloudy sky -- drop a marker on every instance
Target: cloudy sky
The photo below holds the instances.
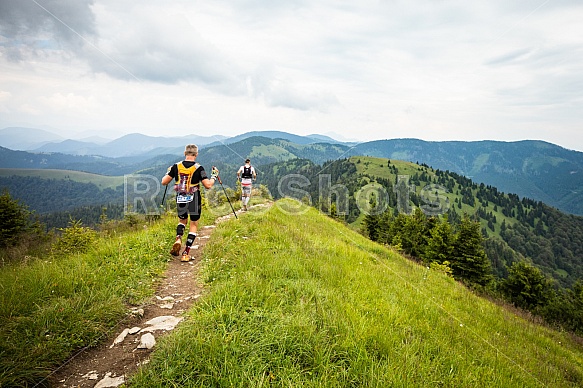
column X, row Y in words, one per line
column 362, row 70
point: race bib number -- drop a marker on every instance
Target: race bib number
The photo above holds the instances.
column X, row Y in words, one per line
column 184, row 198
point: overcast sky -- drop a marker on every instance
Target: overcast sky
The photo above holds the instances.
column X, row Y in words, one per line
column 363, row 70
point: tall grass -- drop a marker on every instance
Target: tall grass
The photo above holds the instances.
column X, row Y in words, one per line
column 300, row 300
column 53, row 305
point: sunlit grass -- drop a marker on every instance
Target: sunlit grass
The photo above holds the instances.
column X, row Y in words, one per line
column 297, row 299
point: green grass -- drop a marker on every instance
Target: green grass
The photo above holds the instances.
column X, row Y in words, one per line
column 101, row 181
column 297, row 299
column 54, row 305
column 274, row 151
column 378, row 166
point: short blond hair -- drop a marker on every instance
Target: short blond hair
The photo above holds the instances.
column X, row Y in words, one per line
column 191, row 149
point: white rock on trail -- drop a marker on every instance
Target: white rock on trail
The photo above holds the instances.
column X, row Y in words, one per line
column 109, row 381
column 147, row 341
column 168, row 306
column 164, row 322
column 120, row 338
column 91, row 375
column 135, row 330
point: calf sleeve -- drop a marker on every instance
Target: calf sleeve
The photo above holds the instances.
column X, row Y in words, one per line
column 189, row 241
column 180, row 230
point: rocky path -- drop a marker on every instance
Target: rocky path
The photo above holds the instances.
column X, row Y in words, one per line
column 109, row 364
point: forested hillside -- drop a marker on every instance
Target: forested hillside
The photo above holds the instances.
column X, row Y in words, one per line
column 53, row 195
column 532, row 169
column 94, row 164
column 56, row 197
column 514, row 228
column 264, row 151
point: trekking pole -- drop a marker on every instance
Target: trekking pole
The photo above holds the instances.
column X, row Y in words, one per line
column 164, row 196
column 219, row 179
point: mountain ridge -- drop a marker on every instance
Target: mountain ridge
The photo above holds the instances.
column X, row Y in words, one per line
column 530, row 168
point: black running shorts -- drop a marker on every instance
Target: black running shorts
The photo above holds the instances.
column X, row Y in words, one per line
column 192, row 208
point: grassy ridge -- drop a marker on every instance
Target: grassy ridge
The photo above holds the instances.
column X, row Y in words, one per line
column 300, row 300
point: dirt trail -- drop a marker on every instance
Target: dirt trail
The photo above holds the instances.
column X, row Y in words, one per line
column 109, row 364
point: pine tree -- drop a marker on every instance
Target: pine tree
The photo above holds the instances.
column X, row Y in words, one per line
column 371, row 221
column 413, row 233
column 527, row 286
column 440, row 243
column 14, row 219
column 470, row 262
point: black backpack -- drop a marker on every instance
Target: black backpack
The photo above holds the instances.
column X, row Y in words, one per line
column 246, row 172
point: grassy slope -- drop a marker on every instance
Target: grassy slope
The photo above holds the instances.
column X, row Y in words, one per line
column 300, row 300
column 53, row 305
column 101, row 181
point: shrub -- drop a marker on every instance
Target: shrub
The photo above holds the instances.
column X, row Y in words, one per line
column 75, row 238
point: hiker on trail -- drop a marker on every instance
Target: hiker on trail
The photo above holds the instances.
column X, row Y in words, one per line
column 246, row 175
column 188, row 175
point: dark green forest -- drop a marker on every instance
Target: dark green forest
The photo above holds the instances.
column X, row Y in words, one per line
column 53, row 195
column 88, row 215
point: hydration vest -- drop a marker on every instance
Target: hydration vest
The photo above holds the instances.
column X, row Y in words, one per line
column 246, row 172
column 184, row 179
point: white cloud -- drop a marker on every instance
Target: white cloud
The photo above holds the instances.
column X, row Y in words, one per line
column 433, row 70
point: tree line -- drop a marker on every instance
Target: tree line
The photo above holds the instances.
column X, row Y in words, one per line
column 460, row 250
column 55, row 195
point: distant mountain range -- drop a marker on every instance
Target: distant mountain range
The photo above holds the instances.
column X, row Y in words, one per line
column 302, row 140
column 20, row 138
column 534, row 169
column 39, row 140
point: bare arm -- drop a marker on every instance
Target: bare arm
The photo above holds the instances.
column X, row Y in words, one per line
column 208, row 183
column 166, row 179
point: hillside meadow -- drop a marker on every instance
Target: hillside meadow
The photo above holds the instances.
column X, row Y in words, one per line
column 297, row 299
column 293, row 298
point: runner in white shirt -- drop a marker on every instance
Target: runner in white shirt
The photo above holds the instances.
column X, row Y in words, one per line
column 247, row 175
